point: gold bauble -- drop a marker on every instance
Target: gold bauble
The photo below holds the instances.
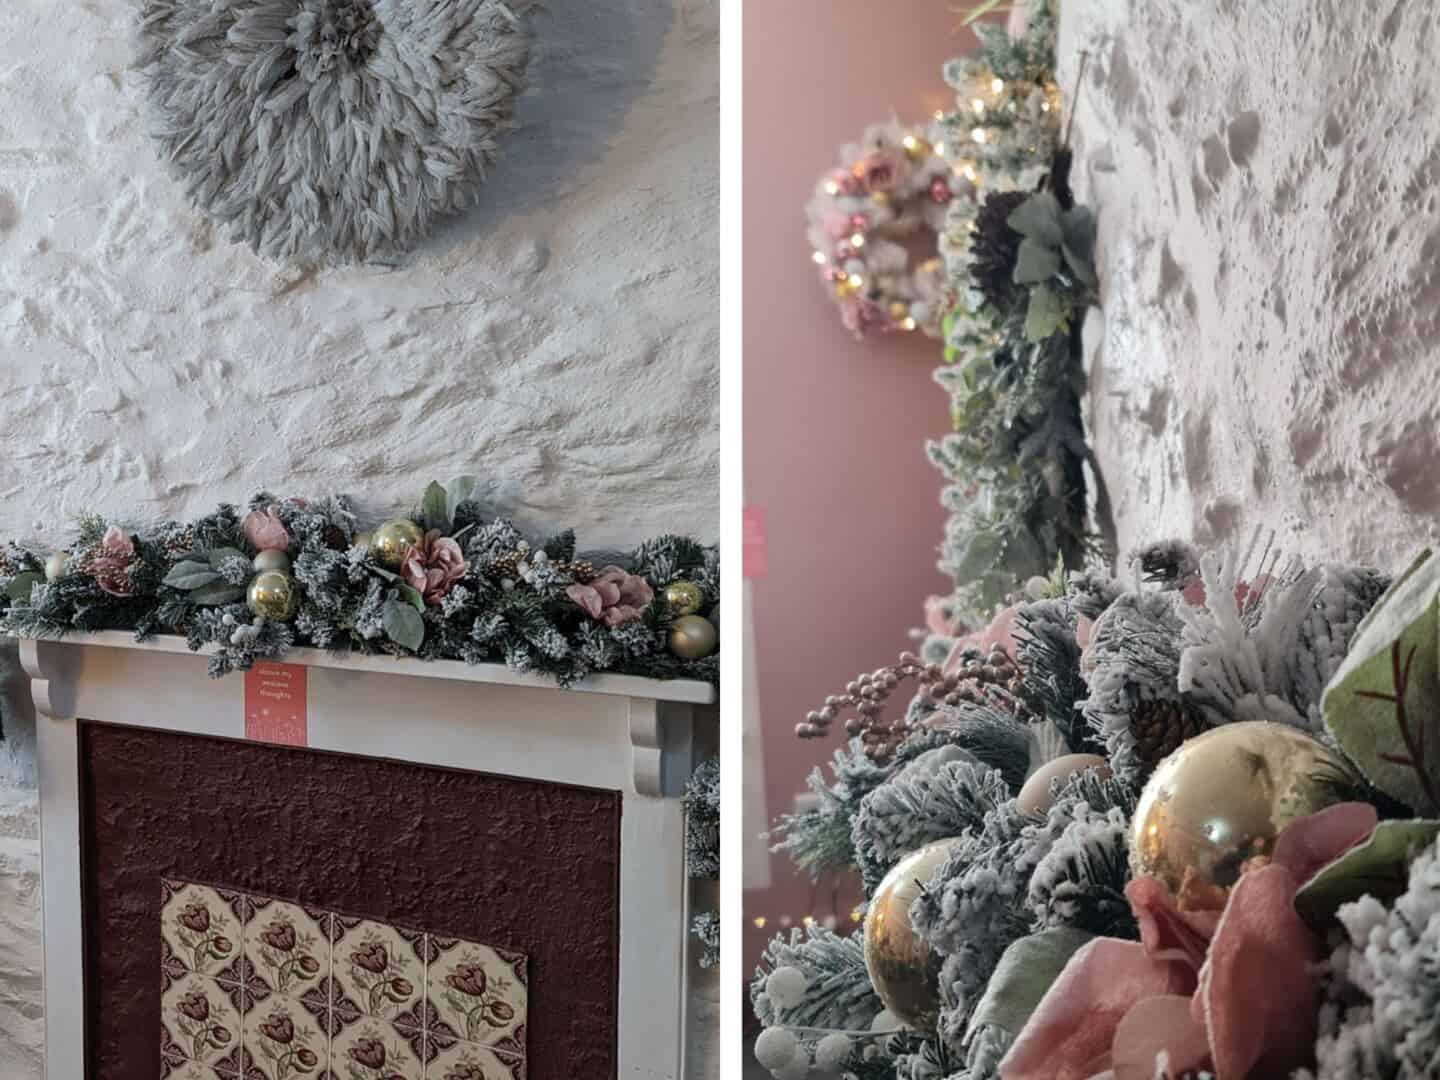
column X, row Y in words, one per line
column 684, row 597
column 693, row 637
column 1034, row 797
column 390, row 541
column 273, row 595
column 1222, row 799
column 904, row 970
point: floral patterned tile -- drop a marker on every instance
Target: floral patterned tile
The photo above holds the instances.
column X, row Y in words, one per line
column 378, row 970
column 288, row 946
column 200, row 927
column 468, row 1061
column 479, row 991
column 374, row 1050
column 285, row 1041
column 199, row 1027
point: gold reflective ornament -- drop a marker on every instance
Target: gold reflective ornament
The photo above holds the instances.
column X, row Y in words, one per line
column 684, row 597
column 389, row 541
column 904, row 970
column 1223, row 797
column 693, row 637
column 273, row 595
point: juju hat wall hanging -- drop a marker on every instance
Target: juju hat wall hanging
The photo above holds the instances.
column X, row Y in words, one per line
column 331, row 129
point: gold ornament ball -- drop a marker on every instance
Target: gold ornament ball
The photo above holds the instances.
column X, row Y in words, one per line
column 904, row 970
column 273, row 595
column 1223, row 797
column 693, row 637
column 390, row 540
column 684, row 597
column 1034, row 797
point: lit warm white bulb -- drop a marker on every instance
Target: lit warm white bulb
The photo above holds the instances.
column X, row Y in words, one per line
column 809, row 920
column 997, row 86
column 939, row 149
column 760, row 921
column 970, row 174
column 1044, row 106
column 978, row 135
column 858, row 240
column 857, row 280
column 939, row 114
column 832, row 188
column 908, row 324
column 819, row 258
column 909, row 142
column 978, row 107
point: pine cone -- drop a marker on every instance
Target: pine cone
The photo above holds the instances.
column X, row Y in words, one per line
column 1160, row 725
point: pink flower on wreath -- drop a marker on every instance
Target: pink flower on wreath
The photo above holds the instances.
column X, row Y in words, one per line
column 859, row 314
column 883, row 170
column 265, row 531
column 1230, row 990
column 111, row 565
column 1018, row 24
column 836, row 223
column 615, row 597
column 433, row 566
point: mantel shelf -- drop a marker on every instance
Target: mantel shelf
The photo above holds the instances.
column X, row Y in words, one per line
column 688, row 691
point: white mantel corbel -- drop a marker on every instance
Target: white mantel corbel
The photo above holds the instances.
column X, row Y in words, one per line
column 639, row 736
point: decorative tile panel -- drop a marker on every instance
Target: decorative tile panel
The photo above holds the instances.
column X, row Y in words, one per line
column 256, row 988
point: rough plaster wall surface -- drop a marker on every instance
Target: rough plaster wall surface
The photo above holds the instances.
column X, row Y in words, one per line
column 560, row 340
column 1265, row 178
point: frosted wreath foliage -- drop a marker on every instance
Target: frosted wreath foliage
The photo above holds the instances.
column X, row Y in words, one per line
column 1018, row 256
column 1195, row 638
column 891, row 185
column 509, row 605
column 332, row 130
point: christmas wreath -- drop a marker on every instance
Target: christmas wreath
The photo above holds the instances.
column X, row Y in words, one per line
column 444, row 582
column 1185, row 828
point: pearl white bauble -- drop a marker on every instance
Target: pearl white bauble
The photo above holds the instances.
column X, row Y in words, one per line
column 920, row 311
column 776, row 1048
column 1034, row 797
column 833, row 1051
column 799, row 1069
column 55, row 565
column 271, row 560
column 786, row 986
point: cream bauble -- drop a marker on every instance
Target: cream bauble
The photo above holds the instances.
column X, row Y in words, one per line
column 391, row 540
column 1034, row 797
column 693, row 637
column 273, row 595
column 56, row 565
column 904, row 970
column 1223, row 797
column 271, row 560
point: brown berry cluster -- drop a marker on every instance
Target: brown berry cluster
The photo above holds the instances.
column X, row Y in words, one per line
column 976, row 675
column 508, row 565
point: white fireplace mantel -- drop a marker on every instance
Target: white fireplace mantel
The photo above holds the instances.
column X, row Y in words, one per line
column 641, row 737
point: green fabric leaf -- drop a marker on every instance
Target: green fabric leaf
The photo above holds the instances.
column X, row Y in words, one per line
column 1394, row 736
column 435, row 508
column 218, row 556
column 1026, row 971
column 216, row 594
column 21, row 585
column 412, row 596
column 1038, row 218
column 1046, row 314
column 1078, row 226
column 459, row 490
column 1079, row 265
column 403, row 624
column 191, row 575
column 1380, row 867
column 1035, row 262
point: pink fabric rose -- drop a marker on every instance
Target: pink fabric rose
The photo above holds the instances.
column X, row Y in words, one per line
column 883, row 170
column 433, row 566
column 859, row 314
column 110, row 566
column 940, row 616
column 265, row 531
column 1229, row 990
column 1018, row 24
column 615, row 596
column 997, row 633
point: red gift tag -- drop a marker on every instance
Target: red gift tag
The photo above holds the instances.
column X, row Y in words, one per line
column 275, row 704
column 754, row 555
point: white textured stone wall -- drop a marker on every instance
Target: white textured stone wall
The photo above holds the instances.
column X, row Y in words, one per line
column 560, row 340
column 1266, row 179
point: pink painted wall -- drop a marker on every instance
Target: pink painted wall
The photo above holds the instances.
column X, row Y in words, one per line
column 834, row 429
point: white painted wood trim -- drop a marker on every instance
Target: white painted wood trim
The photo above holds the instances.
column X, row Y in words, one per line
column 633, row 686
column 639, row 745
